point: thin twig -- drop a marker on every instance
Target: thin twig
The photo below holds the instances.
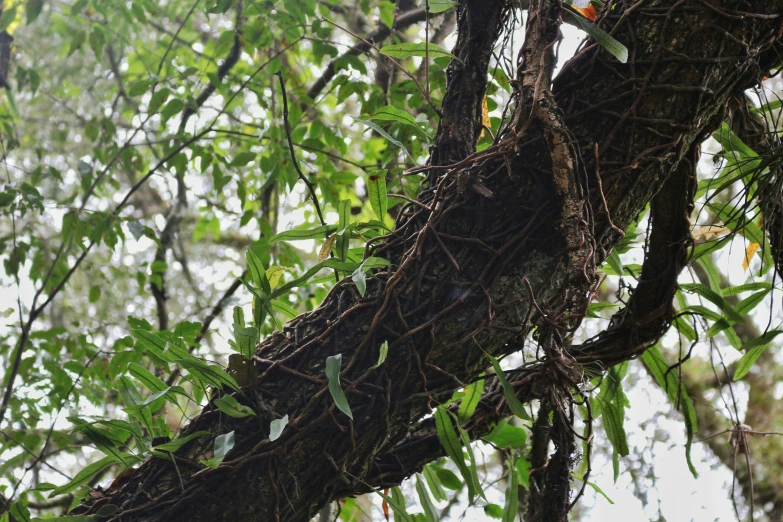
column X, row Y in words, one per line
column 306, row 181
column 393, row 61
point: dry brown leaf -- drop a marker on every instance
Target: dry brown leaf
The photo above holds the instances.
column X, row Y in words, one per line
column 326, row 249
column 710, row 231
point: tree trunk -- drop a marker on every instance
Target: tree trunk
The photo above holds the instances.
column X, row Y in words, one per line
column 500, row 242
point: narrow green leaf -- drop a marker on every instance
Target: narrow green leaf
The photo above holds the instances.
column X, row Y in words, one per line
column 745, row 306
column 514, row 405
column 430, row 510
column 613, row 417
column 471, row 459
column 438, row 6
column 302, row 234
column 343, row 238
column 391, row 113
column 747, row 360
column 152, row 342
column 377, row 128
column 471, row 399
column 675, row 391
column 603, row 39
column 283, row 308
column 231, row 407
column 749, row 287
column 257, row 271
column 408, row 50
column 84, row 476
column 431, row 475
column 397, row 503
column 715, row 299
column 176, row 444
column 376, row 191
column 450, row 442
column 511, row 504
column 333, row 364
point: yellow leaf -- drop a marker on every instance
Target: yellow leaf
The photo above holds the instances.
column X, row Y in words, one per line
column 485, row 116
column 326, row 249
column 752, row 248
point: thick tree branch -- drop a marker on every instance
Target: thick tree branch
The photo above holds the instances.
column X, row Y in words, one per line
column 468, row 269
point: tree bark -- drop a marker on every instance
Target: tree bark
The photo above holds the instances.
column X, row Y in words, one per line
column 501, row 241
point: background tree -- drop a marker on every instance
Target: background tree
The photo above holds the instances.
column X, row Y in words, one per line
column 167, row 325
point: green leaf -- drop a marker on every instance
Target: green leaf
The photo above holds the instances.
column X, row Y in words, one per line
column 430, row 510
column 245, row 338
column 242, row 159
column 223, row 444
column 603, row 38
column 747, row 360
column 493, row 511
column 97, row 40
column 231, row 407
column 595, row 488
column 749, row 287
column 152, row 342
column 18, row 510
column 408, row 50
column 33, row 9
column 84, row 476
column 504, row 435
column 376, row 192
column 333, row 363
column 397, row 503
column 387, row 12
column 391, row 113
column 343, row 237
column 469, row 402
column 377, row 128
column 360, row 280
column 438, row 6
column 745, row 306
column 257, row 271
column 514, row 405
column 154, row 383
column 448, row 478
column 384, row 351
column 276, row 428
column 283, row 308
column 302, row 234
column 613, row 417
column 675, row 391
column 452, row 445
column 715, row 299
column 511, row 504
column 176, row 444
column 174, row 106
column 431, row 475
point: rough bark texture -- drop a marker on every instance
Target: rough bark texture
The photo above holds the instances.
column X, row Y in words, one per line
column 489, row 253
